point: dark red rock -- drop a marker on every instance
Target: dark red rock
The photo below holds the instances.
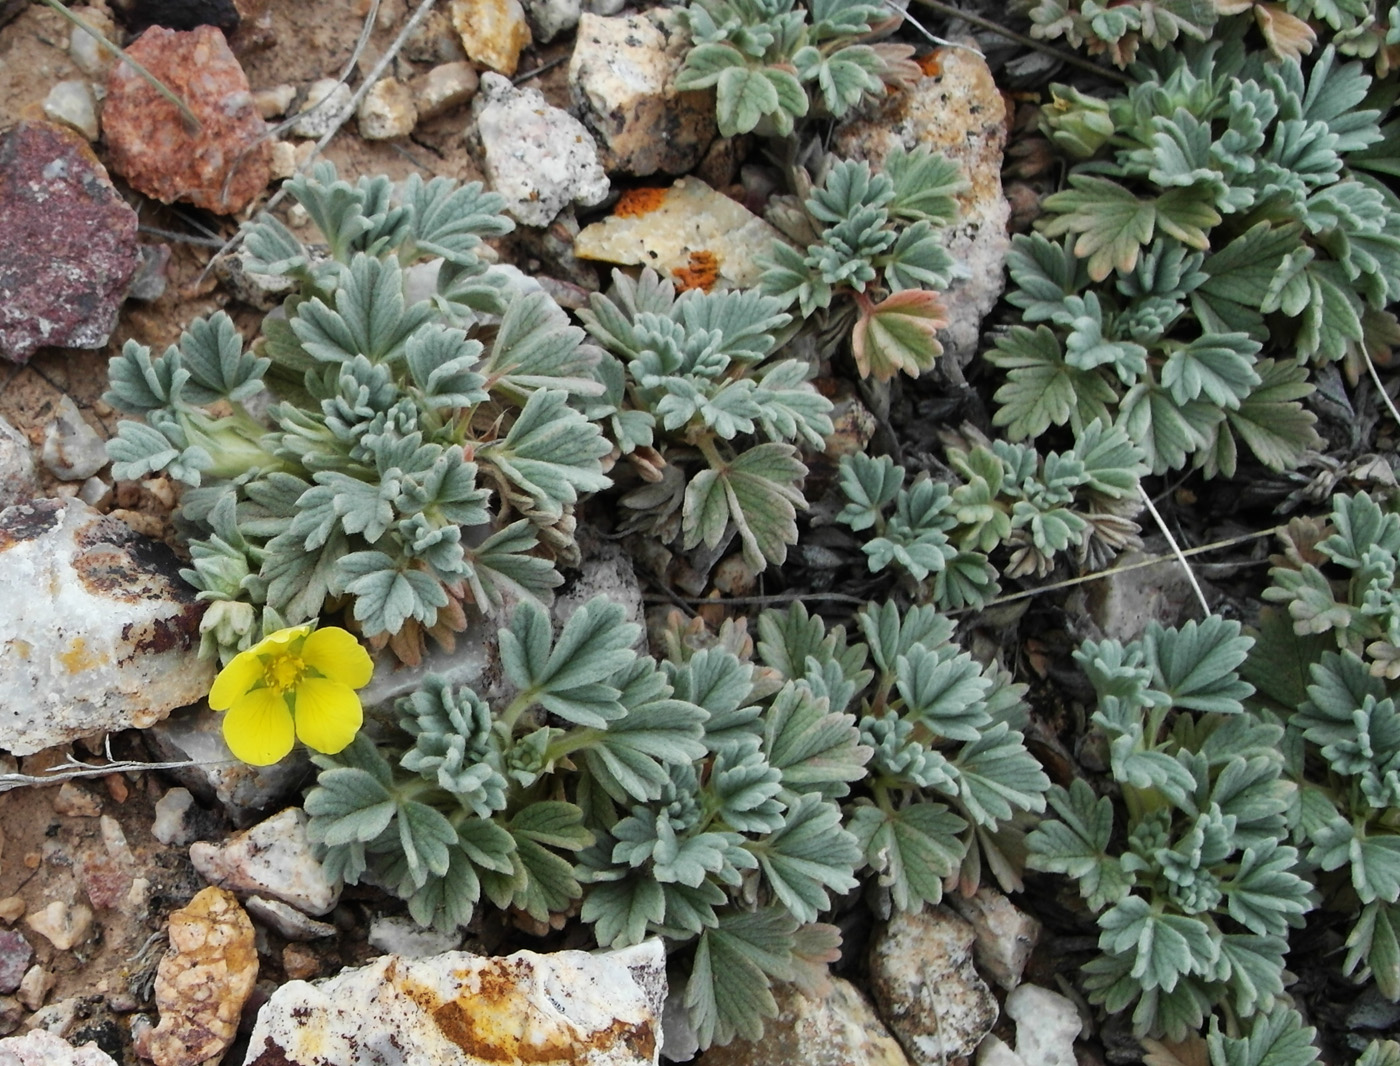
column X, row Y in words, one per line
column 15, row 954
column 148, row 141
column 69, row 243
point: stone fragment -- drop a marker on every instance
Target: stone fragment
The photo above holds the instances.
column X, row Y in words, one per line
column 244, row 792
column 387, row 111
column 74, row 801
column 70, row 243
column 621, row 78
column 434, row 40
column 107, row 871
column 71, row 103
column 274, row 859
column 203, row 980
column 837, row 1029
column 274, row 102
column 300, row 963
column 19, row 481
column 493, row 32
column 549, row 18
column 149, row 281
column 73, row 450
column 605, row 8
column 959, row 111
column 459, row 1009
column 38, row 1047
column 327, row 105
column 61, row 924
column 1126, row 600
column 109, row 636
column 286, row 919
column 404, row 937
column 11, row 908
column 171, row 825
column 1005, row 935
column 284, row 160
column 35, row 986
column 223, row 166
column 926, row 987
column 670, row 230
column 87, row 53
column 444, row 87
column 1047, row 1025
column 540, row 158
column 15, row 954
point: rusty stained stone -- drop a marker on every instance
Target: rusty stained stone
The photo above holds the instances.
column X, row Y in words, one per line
column 148, row 141
column 459, row 1009
column 203, row 980
column 69, row 239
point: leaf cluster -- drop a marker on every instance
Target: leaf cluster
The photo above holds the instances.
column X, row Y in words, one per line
column 1192, row 883
column 417, row 453
column 1118, row 30
column 868, row 257
column 1012, row 502
column 773, row 62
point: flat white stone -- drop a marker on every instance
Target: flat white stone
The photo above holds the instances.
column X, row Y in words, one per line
column 73, row 450
column 460, row 1009
column 109, row 634
column 39, row 1047
column 273, row 859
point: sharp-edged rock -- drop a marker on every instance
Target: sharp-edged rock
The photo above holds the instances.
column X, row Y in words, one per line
column 273, row 859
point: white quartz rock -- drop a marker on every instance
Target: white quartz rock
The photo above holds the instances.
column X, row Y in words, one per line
column 273, row 859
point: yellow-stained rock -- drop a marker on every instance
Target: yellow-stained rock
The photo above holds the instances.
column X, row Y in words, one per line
column 203, row 981
column 493, row 32
column 671, row 230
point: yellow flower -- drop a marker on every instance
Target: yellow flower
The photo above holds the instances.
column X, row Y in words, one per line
column 294, row 680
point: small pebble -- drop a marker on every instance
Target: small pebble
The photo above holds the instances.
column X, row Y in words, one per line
column 171, row 826
column 116, row 787
column 88, row 55
column 443, row 88
column 12, row 1012
column 327, row 104
column 73, row 450
column 71, row 103
column 74, row 801
column 35, row 986
column 300, row 963
column 63, row 926
column 275, row 101
column 11, row 909
column 284, row 160
column 95, row 492
column 15, row 955
column 387, row 111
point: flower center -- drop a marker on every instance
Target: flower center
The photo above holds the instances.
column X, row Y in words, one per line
column 282, row 672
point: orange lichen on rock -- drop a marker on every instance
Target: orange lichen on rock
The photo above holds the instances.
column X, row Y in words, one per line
column 699, row 273
column 636, row 202
column 931, row 64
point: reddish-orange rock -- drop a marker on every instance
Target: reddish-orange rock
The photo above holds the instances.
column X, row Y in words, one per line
column 221, row 166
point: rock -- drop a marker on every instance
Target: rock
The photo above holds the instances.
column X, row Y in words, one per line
column 224, row 165
column 74, row 801
column 286, row 919
column 171, row 825
column 387, row 111
column 203, row 980
column 274, row 102
column 493, row 32
column 459, row 1009
column 404, row 937
column 87, row 53
column 435, row 40
column 606, row 8
column 1124, row 601
column 12, row 1012
column 41, row 1048
column 11, row 909
column 672, row 230
column 993, row 1051
column 443, row 88
column 71, row 103
column 540, row 158
column 1005, row 935
column 62, row 925
column 244, row 792
column 284, row 160
column 327, row 106
column 264, row 291
column 19, row 481
column 926, row 987
column 837, row 1029
column 300, row 963
column 549, row 18
column 958, row 111
column 273, row 859
column 15, row 955
column 621, row 79
column 70, row 243
column 149, row 281
column 35, row 986
column 109, row 636
column 107, row 872
column 1047, row 1024
column 607, row 571
column 73, row 450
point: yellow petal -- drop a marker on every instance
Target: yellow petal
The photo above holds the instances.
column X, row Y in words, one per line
column 258, row 728
column 243, row 672
column 279, row 640
column 328, row 714
column 339, row 656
